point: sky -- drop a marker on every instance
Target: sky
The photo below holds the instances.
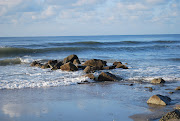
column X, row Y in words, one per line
column 88, row 17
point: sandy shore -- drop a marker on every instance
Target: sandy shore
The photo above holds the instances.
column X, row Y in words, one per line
column 87, row 102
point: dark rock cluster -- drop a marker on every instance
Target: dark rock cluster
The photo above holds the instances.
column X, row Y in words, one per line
column 72, row 63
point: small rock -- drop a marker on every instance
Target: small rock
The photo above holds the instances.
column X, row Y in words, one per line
column 51, row 63
column 70, row 58
column 90, row 69
column 177, row 107
column 46, row 65
column 116, row 63
column 57, row 65
column 178, row 88
column 170, row 92
column 150, row 88
column 95, row 63
column 121, row 66
column 158, row 81
column 91, row 76
column 76, row 62
column 106, row 76
column 34, row 63
column 131, row 84
column 171, row 115
column 69, row 67
column 159, row 100
column 108, row 67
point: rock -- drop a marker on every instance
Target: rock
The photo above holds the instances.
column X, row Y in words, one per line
column 91, row 76
column 106, row 76
column 170, row 92
column 121, row 66
column 95, row 63
column 116, row 63
column 46, row 65
column 159, row 100
column 171, row 115
column 80, row 66
column 150, row 88
column 70, row 58
column 158, row 81
column 90, row 69
column 38, row 65
column 177, row 107
column 34, row 63
column 57, row 65
column 51, row 63
column 108, row 67
column 76, row 62
column 69, row 67
column 178, row 88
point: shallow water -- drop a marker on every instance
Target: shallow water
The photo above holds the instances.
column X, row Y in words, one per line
column 30, row 93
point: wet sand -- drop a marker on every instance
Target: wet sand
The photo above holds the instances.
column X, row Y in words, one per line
column 86, row 102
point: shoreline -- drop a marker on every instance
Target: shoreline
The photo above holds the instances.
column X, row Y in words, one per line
column 105, row 101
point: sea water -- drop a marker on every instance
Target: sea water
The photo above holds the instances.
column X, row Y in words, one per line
column 147, row 56
column 31, row 93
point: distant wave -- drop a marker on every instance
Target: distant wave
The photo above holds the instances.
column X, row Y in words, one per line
column 10, row 61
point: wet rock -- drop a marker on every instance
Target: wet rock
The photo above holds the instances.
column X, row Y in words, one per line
column 170, row 92
column 35, row 63
column 70, row 58
column 79, row 66
column 177, row 107
column 158, row 81
column 76, row 62
column 91, row 76
column 95, row 63
column 51, row 63
column 130, row 84
column 159, row 100
column 57, row 65
column 116, row 63
column 106, row 76
column 121, row 66
column 150, row 88
column 69, row 67
column 46, row 65
column 90, row 69
column 108, row 67
column 171, row 116
column 178, row 88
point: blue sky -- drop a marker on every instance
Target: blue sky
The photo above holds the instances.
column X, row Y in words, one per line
column 88, row 17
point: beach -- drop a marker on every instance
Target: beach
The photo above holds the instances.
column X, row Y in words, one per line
column 31, row 93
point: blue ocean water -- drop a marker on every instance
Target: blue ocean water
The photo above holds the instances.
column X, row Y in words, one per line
column 147, row 56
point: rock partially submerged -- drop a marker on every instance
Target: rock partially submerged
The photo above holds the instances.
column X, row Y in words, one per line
column 106, row 76
column 95, row 63
column 158, row 81
column 71, row 59
column 177, row 88
column 171, row 116
column 69, row 67
column 159, row 100
column 91, row 76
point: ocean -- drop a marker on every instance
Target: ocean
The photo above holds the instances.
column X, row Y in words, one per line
column 31, row 93
column 147, row 56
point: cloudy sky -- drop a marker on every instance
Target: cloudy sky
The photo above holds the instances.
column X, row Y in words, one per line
column 88, row 17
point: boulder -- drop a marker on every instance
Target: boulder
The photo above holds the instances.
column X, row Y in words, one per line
column 119, row 65
column 106, row 76
column 178, row 88
column 116, row 63
column 95, row 63
column 46, row 65
column 51, row 63
column 76, row 62
column 69, row 67
column 171, row 116
column 158, row 81
column 108, row 67
column 159, row 100
column 57, row 65
column 91, row 76
column 70, row 58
